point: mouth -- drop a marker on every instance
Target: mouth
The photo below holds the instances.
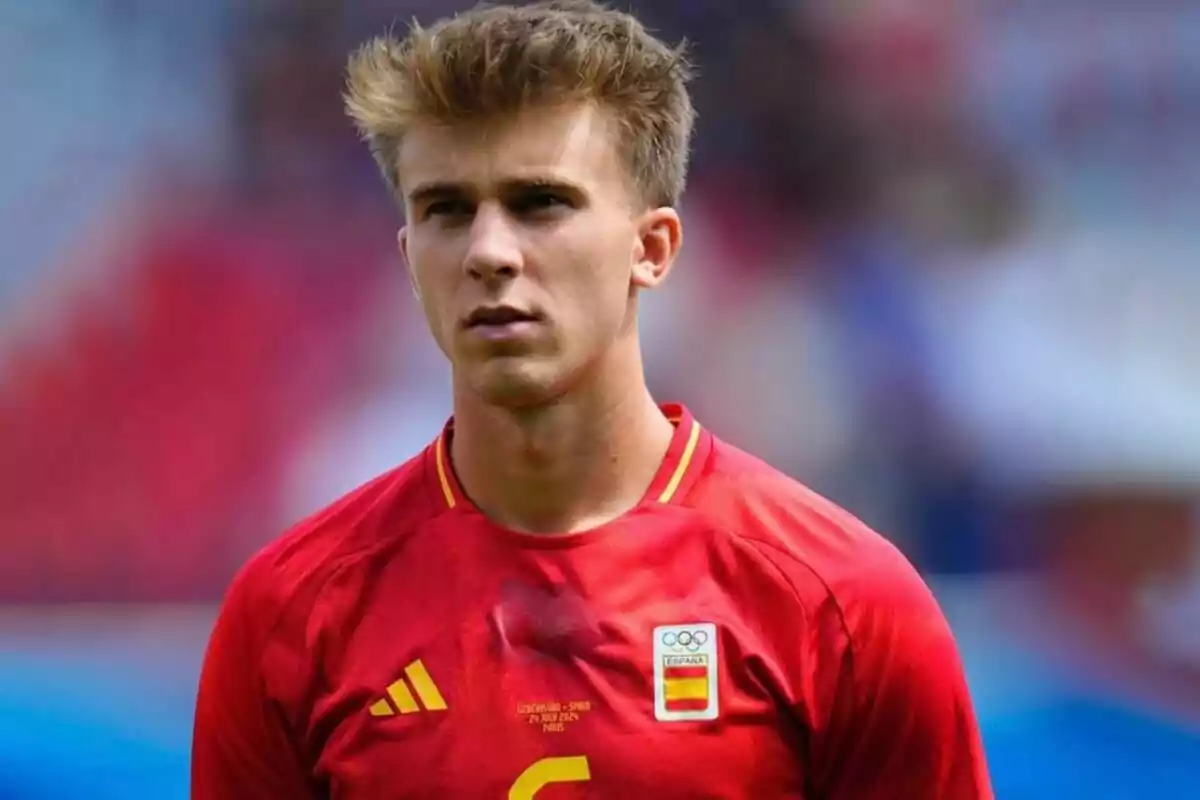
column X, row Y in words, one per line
column 502, row 325
column 486, row 317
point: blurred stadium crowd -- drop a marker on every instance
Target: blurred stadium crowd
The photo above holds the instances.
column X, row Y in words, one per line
column 942, row 263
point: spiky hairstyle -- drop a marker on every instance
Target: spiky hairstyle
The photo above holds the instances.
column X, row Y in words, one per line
column 495, row 60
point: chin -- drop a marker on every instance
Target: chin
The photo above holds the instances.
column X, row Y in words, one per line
column 516, row 383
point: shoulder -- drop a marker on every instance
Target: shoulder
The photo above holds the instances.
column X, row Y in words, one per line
column 828, row 556
column 762, row 506
column 286, row 577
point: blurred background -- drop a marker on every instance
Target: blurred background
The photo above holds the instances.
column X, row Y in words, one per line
column 942, row 263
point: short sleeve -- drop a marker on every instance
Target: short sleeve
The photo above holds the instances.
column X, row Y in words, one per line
column 900, row 719
column 241, row 743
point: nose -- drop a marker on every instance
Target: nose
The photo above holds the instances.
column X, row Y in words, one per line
column 494, row 251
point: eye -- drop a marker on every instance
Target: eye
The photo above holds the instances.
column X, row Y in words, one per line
column 539, row 202
column 447, row 208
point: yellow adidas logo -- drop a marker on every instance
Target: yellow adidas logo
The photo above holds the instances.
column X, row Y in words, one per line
column 402, row 697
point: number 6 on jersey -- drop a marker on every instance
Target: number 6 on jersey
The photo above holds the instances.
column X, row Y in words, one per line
column 565, row 769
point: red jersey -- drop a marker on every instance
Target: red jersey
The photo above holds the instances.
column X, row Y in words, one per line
column 733, row 636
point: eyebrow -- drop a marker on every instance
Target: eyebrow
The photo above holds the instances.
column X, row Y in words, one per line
column 438, row 190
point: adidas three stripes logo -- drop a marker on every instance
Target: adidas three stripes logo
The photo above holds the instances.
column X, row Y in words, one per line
column 414, row 692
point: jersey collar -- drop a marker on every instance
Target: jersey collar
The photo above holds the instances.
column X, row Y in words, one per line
column 682, row 464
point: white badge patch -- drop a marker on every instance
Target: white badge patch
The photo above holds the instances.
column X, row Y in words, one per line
column 685, row 672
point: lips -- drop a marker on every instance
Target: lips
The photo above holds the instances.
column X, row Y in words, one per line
column 498, row 316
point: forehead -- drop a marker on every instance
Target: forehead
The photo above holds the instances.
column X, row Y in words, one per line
column 576, row 144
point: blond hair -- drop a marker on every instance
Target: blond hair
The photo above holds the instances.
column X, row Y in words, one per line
column 495, row 60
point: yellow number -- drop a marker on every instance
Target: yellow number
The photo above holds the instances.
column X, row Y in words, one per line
column 566, row 769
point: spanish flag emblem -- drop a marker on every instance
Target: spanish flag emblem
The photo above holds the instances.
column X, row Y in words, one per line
column 685, row 687
column 685, row 672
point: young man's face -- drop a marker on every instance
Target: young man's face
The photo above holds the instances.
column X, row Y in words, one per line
column 525, row 243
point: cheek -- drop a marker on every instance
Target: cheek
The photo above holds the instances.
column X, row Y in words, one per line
column 602, row 296
column 430, row 266
column 441, row 323
column 434, row 292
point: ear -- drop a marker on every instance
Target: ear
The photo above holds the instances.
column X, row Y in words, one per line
column 402, row 242
column 659, row 237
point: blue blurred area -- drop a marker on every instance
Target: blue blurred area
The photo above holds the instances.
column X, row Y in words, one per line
column 93, row 721
column 951, row 245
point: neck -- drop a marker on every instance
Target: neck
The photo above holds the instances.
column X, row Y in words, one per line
column 566, row 466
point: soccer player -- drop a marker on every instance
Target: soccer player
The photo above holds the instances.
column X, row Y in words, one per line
column 574, row 591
